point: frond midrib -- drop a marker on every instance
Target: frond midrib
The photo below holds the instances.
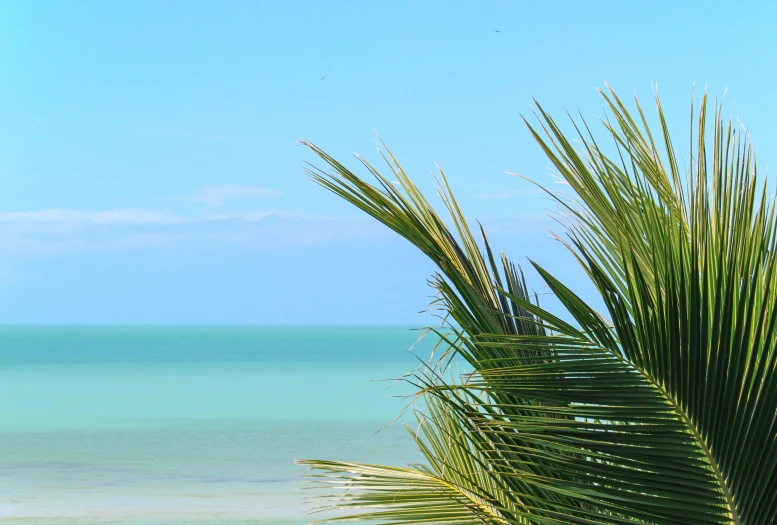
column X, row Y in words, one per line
column 719, row 477
column 701, row 442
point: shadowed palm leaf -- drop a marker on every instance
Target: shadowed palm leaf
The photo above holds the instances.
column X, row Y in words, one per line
column 663, row 411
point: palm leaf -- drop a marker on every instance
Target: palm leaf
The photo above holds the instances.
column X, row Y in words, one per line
column 664, row 411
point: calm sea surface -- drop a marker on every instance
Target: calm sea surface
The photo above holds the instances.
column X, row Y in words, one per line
column 190, row 424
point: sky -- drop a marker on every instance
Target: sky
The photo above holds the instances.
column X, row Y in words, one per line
column 150, row 170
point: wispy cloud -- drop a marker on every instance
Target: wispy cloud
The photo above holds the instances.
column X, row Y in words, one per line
column 506, row 194
column 256, row 216
column 60, row 231
column 114, row 217
column 68, row 231
column 218, row 195
column 251, row 216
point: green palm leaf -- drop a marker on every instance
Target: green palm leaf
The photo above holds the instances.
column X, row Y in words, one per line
column 664, row 411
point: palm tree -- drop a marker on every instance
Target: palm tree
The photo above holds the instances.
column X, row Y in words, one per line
column 663, row 409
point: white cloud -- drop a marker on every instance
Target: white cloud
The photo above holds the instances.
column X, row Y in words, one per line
column 116, row 217
column 506, row 194
column 251, row 216
column 218, row 195
column 256, row 216
column 59, row 231
column 69, row 231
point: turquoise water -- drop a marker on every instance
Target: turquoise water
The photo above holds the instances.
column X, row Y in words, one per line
column 190, row 425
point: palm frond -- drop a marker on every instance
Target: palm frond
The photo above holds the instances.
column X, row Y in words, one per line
column 663, row 412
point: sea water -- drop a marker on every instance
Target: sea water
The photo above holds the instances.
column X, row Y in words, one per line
column 149, row 425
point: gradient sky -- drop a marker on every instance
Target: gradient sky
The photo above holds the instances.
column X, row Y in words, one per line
column 148, row 165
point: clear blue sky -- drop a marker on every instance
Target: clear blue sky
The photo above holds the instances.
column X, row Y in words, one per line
column 148, row 165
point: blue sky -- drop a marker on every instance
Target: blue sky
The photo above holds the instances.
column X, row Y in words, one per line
column 148, row 165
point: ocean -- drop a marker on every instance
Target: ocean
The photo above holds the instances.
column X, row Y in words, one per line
column 195, row 425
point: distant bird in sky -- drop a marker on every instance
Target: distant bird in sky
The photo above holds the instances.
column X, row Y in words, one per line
column 498, row 31
column 322, row 78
